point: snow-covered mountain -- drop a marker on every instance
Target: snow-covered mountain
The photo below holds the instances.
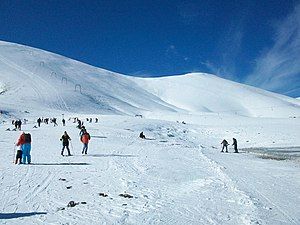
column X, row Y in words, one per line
column 33, row 79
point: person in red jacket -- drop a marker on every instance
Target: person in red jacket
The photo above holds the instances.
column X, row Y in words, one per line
column 85, row 139
column 25, row 143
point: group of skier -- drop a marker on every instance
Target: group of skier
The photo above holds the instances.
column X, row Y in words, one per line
column 46, row 121
column 225, row 143
column 84, row 138
column 23, row 144
column 17, row 124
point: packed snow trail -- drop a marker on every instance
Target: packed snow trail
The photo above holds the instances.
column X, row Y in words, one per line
column 171, row 181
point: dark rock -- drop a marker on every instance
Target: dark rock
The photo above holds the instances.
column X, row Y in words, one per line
column 126, row 195
column 72, row 204
column 103, row 194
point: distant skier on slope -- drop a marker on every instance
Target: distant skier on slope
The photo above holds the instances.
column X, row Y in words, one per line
column 63, row 122
column 19, row 124
column 39, row 121
column 54, row 122
column 82, row 131
column 235, row 145
column 142, row 135
column 65, row 141
column 224, row 144
column 85, row 139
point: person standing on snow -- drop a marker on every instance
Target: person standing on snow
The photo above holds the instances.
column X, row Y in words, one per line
column 235, row 145
column 25, row 143
column 63, row 122
column 39, row 121
column 19, row 124
column 65, row 141
column 225, row 144
column 85, row 138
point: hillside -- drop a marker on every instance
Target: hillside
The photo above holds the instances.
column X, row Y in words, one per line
column 33, row 79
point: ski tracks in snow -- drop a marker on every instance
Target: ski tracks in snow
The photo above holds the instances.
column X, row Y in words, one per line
column 38, row 84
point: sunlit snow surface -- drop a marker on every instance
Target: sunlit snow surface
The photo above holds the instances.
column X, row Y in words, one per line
column 176, row 176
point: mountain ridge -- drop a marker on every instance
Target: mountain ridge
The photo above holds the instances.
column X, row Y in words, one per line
column 32, row 78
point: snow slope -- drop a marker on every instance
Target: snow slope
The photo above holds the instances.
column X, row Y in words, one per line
column 176, row 176
column 36, row 79
column 208, row 93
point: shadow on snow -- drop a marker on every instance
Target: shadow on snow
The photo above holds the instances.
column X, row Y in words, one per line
column 59, row 164
column 18, row 215
column 112, row 155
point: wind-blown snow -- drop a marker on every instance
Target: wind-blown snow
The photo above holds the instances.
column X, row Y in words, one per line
column 176, row 176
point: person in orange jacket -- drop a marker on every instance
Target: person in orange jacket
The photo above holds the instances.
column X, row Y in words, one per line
column 85, row 139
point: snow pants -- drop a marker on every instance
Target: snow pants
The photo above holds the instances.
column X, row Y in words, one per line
column 67, row 147
column 224, row 146
column 85, row 148
column 26, row 153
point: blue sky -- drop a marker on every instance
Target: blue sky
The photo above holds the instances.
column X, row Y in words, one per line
column 256, row 42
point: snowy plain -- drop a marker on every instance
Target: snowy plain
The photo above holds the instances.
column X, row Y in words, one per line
column 176, row 176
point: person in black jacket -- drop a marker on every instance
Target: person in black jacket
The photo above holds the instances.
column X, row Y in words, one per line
column 65, row 141
column 39, row 121
column 235, row 145
column 224, row 144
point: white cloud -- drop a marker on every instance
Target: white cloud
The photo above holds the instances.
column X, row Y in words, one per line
column 278, row 68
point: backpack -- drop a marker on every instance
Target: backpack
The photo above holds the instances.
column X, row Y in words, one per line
column 27, row 138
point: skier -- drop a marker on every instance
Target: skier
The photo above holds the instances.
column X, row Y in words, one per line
column 19, row 124
column 39, row 121
column 142, row 135
column 79, row 126
column 63, row 122
column 54, row 122
column 65, row 141
column 25, row 143
column 225, row 144
column 235, row 145
column 85, row 138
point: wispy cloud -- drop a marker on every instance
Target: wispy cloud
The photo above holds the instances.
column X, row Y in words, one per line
column 278, row 68
column 227, row 51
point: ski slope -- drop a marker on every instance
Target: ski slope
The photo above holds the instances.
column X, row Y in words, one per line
column 176, row 176
column 46, row 80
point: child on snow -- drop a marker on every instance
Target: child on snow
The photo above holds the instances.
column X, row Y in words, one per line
column 19, row 155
